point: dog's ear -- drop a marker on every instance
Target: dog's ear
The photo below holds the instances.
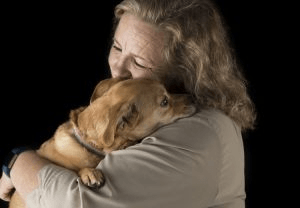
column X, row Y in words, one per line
column 75, row 113
column 103, row 86
column 126, row 117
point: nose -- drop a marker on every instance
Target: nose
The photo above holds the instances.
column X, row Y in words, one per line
column 118, row 67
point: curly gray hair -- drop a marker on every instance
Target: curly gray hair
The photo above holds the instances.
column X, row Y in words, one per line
column 197, row 54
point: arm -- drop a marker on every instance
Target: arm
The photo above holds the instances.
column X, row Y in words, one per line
column 23, row 175
column 180, row 165
column 177, row 166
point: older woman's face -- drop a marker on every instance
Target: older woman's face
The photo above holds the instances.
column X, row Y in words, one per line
column 136, row 50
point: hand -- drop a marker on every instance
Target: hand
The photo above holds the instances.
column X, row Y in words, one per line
column 6, row 187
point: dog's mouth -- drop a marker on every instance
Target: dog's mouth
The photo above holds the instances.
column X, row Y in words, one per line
column 91, row 147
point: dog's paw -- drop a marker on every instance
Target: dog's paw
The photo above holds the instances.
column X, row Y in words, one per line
column 91, row 177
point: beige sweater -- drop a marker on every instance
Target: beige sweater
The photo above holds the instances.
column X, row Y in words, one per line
column 196, row 162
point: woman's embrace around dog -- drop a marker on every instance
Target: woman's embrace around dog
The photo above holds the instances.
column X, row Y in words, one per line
column 195, row 161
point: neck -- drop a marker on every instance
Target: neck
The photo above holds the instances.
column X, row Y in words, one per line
column 77, row 136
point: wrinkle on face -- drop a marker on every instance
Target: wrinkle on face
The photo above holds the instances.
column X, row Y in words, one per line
column 140, row 38
column 138, row 41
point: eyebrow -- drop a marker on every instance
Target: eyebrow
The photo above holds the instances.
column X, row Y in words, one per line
column 115, row 40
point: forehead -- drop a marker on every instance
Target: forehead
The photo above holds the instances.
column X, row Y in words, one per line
column 140, row 38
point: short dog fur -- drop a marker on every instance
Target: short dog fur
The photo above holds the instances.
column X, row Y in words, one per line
column 121, row 113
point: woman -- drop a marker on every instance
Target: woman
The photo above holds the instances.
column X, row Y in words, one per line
column 195, row 162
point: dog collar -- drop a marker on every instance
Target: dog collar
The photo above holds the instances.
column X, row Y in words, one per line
column 90, row 148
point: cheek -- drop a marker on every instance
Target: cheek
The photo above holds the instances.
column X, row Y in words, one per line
column 111, row 59
column 161, row 116
column 168, row 115
column 114, row 67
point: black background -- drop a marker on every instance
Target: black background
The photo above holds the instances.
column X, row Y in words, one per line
column 53, row 55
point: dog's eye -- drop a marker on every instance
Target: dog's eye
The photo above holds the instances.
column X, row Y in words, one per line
column 165, row 102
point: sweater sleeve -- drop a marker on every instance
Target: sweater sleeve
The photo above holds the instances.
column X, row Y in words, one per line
column 177, row 166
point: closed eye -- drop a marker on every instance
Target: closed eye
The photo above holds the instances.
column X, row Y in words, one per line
column 116, row 45
column 117, row 48
column 139, row 65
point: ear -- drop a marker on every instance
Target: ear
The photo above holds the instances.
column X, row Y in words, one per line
column 126, row 117
column 74, row 115
column 103, row 86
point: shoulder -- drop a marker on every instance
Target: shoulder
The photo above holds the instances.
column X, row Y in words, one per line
column 187, row 151
column 204, row 129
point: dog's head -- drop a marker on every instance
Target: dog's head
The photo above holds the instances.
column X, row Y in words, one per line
column 122, row 112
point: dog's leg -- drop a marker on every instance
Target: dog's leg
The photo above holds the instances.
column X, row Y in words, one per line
column 91, row 177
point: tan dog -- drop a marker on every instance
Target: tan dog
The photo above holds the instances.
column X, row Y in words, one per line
column 121, row 113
